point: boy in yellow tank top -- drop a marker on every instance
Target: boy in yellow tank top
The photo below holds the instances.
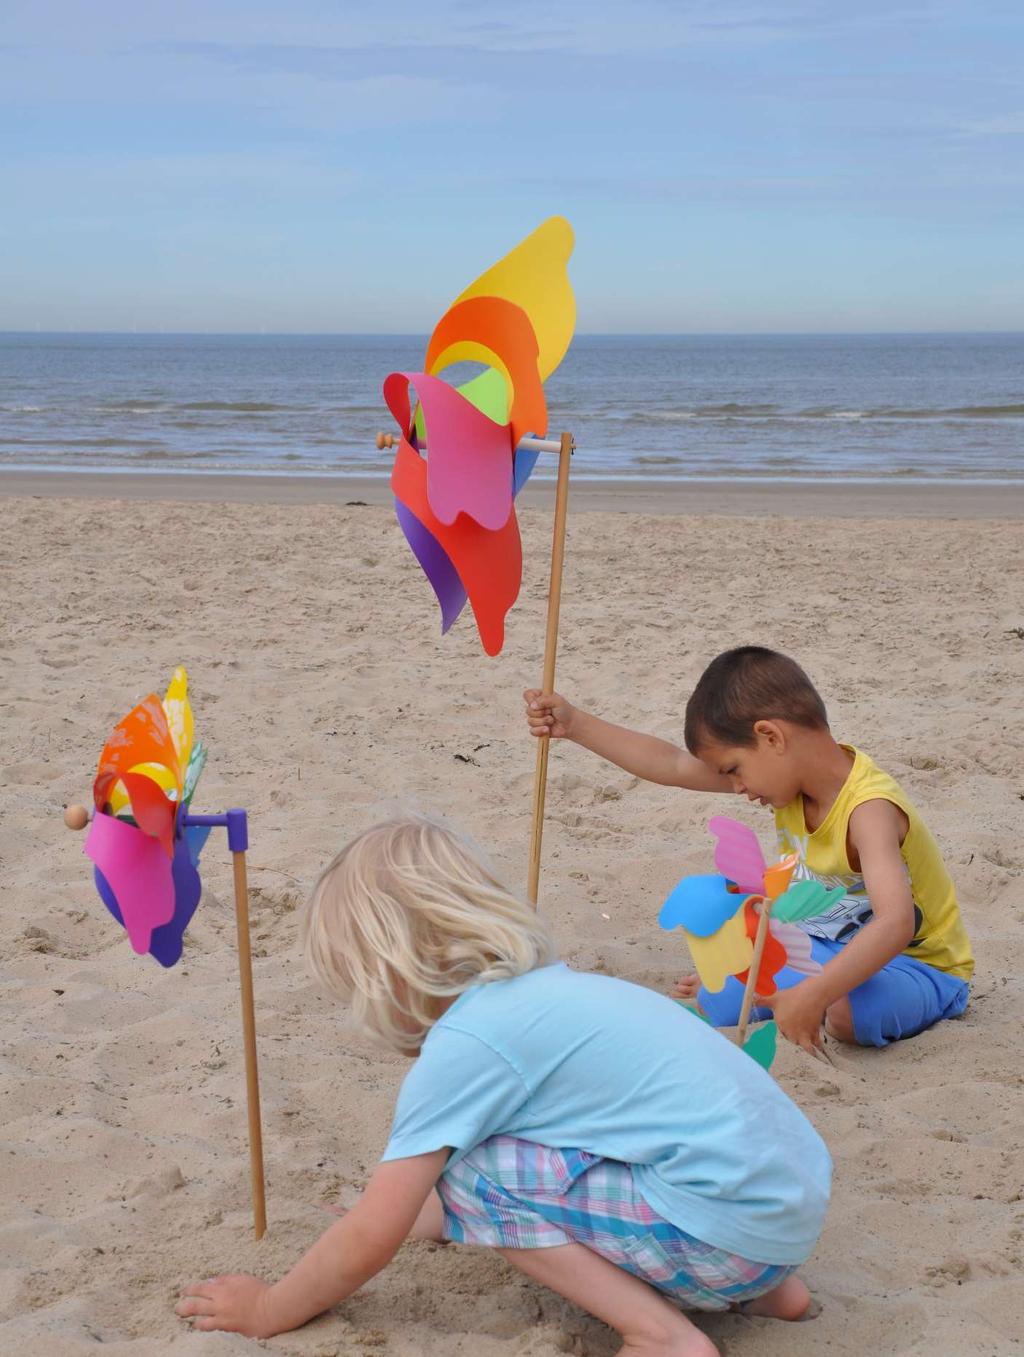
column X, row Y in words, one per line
column 894, row 952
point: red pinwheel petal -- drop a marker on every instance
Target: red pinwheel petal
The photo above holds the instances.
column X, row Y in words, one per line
column 773, row 958
column 489, row 564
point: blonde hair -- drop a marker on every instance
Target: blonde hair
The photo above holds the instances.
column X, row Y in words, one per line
column 409, row 915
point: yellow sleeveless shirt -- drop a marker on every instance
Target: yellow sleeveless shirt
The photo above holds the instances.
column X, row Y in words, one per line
column 940, row 938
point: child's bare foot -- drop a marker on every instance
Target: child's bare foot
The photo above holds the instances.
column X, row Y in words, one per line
column 790, row 1300
column 686, row 987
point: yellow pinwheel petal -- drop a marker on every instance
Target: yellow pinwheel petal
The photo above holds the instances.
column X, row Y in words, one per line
column 179, row 717
column 725, row 953
column 535, row 276
column 164, row 778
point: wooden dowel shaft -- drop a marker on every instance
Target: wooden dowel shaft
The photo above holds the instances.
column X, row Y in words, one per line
column 252, row 1083
column 755, row 965
column 540, row 778
column 390, row 440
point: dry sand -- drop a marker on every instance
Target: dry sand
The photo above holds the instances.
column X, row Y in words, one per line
column 323, row 688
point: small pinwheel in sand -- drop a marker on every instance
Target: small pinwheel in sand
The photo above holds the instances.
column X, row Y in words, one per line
column 743, row 920
column 144, row 842
column 146, row 859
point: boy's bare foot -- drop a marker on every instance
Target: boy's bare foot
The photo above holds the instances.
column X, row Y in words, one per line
column 790, row 1300
column 686, row 987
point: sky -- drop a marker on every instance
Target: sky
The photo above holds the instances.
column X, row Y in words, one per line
column 339, row 166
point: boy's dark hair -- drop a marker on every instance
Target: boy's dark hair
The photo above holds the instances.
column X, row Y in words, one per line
column 747, row 685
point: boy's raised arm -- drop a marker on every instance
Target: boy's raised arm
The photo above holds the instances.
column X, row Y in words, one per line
column 645, row 756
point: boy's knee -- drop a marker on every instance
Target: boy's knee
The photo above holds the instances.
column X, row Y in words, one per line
column 839, row 1022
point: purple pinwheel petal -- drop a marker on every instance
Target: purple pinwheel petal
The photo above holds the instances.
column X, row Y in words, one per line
column 107, row 895
column 436, row 564
column 168, row 940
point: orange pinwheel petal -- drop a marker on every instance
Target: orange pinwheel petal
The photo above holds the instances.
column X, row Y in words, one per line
column 773, row 958
column 495, row 331
column 778, row 876
column 143, row 736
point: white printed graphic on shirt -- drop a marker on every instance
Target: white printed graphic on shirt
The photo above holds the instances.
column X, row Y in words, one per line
column 848, row 915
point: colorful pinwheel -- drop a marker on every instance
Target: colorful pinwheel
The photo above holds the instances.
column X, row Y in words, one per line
column 721, row 915
column 455, row 504
column 145, row 857
column 145, row 842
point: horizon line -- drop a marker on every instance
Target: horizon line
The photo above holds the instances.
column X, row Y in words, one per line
column 588, row 334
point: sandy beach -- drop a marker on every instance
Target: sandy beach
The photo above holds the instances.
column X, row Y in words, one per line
column 324, row 690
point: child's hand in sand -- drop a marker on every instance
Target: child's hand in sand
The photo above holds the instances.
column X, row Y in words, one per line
column 237, row 1304
column 686, row 987
column 548, row 714
column 799, row 1015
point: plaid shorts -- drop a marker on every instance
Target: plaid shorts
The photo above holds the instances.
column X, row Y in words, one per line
column 512, row 1194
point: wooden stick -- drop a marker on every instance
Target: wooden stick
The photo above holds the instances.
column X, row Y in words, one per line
column 252, row 1083
column 540, row 779
column 765, row 908
column 390, row 440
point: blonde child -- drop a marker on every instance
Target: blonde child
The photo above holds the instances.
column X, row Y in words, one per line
column 605, row 1141
column 894, row 951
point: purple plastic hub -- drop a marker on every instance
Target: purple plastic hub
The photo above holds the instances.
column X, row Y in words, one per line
column 234, row 821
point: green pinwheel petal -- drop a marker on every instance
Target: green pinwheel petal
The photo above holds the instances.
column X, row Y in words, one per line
column 804, row 900
column 760, row 1045
column 196, row 764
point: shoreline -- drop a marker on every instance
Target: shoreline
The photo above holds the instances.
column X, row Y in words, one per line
column 841, row 499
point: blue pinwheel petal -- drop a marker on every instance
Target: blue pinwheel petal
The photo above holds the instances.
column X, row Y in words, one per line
column 700, row 904
column 522, row 469
column 195, row 837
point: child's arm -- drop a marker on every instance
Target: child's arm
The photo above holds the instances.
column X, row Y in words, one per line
column 645, row 756
column 349, row 1254
column 876, row 832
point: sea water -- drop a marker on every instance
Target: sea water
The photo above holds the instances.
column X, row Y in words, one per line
column 793, row 407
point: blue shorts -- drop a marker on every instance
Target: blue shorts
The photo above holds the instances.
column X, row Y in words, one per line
column 900, row 1000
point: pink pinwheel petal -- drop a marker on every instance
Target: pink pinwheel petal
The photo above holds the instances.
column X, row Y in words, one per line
column 138, row 872
column 738, row 854
column 469, row 457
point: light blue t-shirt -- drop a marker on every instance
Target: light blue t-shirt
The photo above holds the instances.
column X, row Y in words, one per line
column 588, row 1062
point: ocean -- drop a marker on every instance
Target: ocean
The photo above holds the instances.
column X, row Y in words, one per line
column 853, row 408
